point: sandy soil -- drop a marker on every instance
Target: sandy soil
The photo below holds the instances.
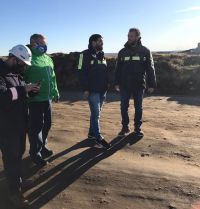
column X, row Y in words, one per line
column 159, row 171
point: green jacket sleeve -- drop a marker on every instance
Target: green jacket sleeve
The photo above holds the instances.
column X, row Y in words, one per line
column 54, row 90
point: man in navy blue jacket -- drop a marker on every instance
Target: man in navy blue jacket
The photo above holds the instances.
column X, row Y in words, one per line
column 93, row 75
column 13, row 118
column 135, row 69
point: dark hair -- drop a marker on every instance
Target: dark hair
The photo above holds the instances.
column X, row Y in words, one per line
column 94, row 37
column 136, row 30
column 35, row 37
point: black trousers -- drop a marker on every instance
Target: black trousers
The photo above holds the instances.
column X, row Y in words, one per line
column 138, row 100
column 40, row 119
column 13, row 147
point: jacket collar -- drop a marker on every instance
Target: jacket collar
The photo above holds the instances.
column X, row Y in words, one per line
column 99, row 55
column 129, row 46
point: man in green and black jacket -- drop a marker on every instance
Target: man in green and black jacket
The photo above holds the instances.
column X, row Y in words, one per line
column 41, row 72
column 135, row 69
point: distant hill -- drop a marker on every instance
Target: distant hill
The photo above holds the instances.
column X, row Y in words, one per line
column 178, row 72
column 111, row 55
column 193, row 51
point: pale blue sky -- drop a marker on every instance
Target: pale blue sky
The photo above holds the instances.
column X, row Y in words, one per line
column 165, row 25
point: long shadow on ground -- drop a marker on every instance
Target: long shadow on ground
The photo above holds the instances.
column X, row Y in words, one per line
column 72, row 169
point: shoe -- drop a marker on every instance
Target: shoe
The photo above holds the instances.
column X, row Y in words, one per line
column 139, row 133
column 39, row 161
column 124, row 131
column 19, row 201
column 105, row 144
column 46, row 153
column 91, row 136
column 27, row 183
column 102, row 143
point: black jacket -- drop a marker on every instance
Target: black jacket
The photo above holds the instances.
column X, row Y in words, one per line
column 92, row 71
column 134, row 68
column 13, row 113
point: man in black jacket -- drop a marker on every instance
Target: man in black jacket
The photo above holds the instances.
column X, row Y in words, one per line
column 134, row 68
column 93, row 74
column 13, row 118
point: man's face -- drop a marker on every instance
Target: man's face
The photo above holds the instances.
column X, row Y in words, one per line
column 40, row 41
column 98, row 45
column 18, row 66
column 39, row 46
column 132, row 37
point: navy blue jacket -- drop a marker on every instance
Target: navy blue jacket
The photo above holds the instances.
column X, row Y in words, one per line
column 135, row 68
column 93, row 71
column 13, row 108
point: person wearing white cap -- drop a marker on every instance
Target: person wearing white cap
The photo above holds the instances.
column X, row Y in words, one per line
column 13, row 117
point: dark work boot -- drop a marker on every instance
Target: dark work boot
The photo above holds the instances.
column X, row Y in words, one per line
column 46, row 152
column 124, row 131
column 138, row 132
column 19, row 201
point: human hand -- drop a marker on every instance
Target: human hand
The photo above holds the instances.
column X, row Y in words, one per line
column 150, row 90
column 32, row 88
column 86, row 94
column 117, row 88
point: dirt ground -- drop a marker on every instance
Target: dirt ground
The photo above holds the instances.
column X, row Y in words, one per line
column 159, row 171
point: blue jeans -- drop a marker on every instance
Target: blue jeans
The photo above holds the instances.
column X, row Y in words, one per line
column 138, row 99
column 95, row 101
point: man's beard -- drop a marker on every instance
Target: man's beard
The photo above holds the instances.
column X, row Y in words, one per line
column 99, row 48
column 132, row 42
column 18, row 69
